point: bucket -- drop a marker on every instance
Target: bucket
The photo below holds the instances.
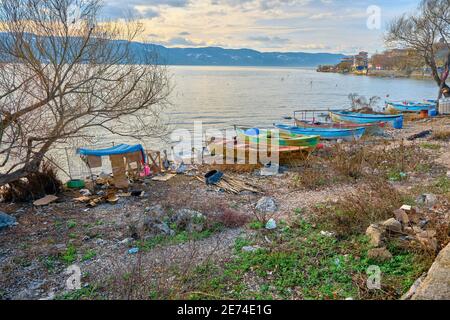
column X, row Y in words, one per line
column 423, row 114
column 398, row 123
column 433, row 113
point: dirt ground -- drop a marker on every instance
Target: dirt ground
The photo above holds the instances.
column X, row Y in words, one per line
column 30, row 252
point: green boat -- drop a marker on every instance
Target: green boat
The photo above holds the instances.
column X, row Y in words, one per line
column 263, row 136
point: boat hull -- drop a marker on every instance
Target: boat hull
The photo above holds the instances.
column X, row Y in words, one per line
column 361, row 118
column 409, row 106
column 326, row 133
column 232, row 152
column 284, row 139
column 371, row 128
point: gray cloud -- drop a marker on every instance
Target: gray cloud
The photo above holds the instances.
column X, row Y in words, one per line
column 269, row 40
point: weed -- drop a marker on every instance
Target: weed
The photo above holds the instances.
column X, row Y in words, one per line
column 86, row 293
column 90, row 254
column 430, row 146
column 441, row 135
column 70, row 255
column 71, row 224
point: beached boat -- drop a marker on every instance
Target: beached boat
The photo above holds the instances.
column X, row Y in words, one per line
column 363, row 118
column 263, row 136
column 409, row 106
column 371, row 128
column 231, row 151
column 325, row 133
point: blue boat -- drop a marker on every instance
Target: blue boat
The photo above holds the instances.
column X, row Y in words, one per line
column 363, row 118
column 410, row 106
column 325, row 133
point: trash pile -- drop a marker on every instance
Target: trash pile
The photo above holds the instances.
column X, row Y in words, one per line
column 227, row 183
column 410, row 225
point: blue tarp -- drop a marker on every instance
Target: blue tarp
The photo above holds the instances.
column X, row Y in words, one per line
column 119, row 149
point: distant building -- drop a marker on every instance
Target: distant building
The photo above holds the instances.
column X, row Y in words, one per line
column 357, row 61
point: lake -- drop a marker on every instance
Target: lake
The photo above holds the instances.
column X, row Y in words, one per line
column 223, row 96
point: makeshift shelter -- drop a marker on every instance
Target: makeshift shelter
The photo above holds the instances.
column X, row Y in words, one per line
column 124, row 158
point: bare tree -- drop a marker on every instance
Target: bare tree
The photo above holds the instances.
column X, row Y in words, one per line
column 64, row 74
column 426, row 32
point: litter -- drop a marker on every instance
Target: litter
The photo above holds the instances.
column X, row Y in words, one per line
column 45, row 201
column 213, row 177
column 232, row 185
column 164, row 178
column 420, row 135
column 85, row 192
column 271, row 224
column 83, row 199
column 133, row 250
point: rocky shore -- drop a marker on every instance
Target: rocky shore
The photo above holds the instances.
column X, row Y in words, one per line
column 311, row 232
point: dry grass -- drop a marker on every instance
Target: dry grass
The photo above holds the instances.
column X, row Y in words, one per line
column 34, row 186
column 355, row 211
column 441, row 135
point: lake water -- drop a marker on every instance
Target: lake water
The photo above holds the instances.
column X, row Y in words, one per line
column 224, row 96
column 221, row 97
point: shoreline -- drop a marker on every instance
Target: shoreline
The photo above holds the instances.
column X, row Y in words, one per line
column 230, row 237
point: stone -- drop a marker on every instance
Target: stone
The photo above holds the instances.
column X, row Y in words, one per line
column 154, row 227
column 375, row 233
column 327, row 234
column 266, row 205
column 189, row 220
column 427, row 199
column 401, row 216
column 6, row 220
column 412, row 291
column 156, row 211
column 392, row 225
column 379, row 254
column 436, row 285
column 250, row 248
column 271, row 224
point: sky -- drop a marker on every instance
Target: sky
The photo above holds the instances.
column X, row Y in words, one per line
column 335, row 26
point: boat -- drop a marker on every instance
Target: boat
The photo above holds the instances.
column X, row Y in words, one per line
column 371, row 128
column 410, row 106
column 263, row 136
column 232, row 152
column 363, row 118
column 325, row 133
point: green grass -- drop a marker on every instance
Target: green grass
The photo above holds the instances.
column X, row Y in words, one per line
column 90, row 254
column 306, row 265
column 430, row 146
column 178, row 238
column 86, row 293
column 443, row 184
column 71, row 224
column 70, row 255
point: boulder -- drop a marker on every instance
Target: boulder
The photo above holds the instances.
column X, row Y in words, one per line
column 189, row 220
column 6, row 220
column 436, row 286
column 153, row 227
column 375, row 233
column 392, row 225
column 401, row 216
column 266, row 205
column 379, row 254
column 156, row 212
column 427, row 199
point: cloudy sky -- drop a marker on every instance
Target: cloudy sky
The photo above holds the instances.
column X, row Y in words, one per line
column 265, row 25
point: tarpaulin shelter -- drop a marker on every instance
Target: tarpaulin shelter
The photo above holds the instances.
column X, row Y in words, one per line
column 121, row 156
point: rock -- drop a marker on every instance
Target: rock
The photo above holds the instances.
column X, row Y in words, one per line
column 427, row 199
column 436, row 285
column 392, row 225
column 379, row 255
column 376, row 235
column 154, row 227
column 250, row 248
column 45, row 201
column 156, row 211
column 327, row 234
column 266, row 205
column 401, row 216
column 6, row 220
column 271, row 224
column 189, row 220
column 412, row 291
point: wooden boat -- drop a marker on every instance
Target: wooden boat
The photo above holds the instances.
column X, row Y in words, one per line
column 409, row 106
column 371, row 128
column 363, row 118
column 258, row 136
column 231, row 152
column 325, row 133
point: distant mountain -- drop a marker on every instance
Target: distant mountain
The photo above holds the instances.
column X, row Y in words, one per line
column 209, row 56
column 215, row 56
